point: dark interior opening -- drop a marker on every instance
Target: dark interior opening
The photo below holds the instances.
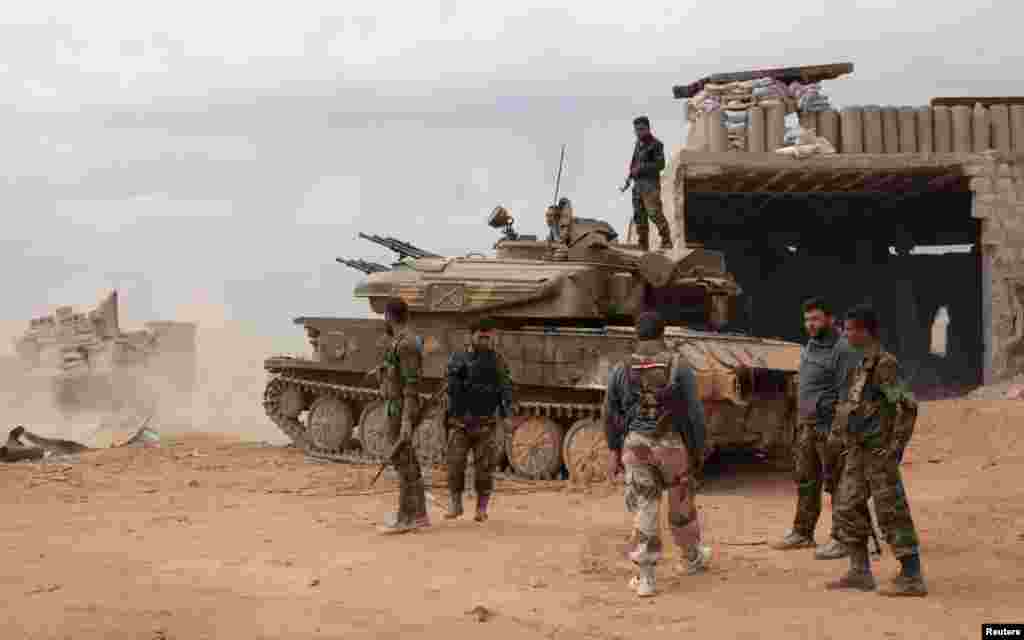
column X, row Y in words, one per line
column 849, row 248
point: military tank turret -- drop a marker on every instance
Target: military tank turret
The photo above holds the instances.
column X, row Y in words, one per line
column 566, row 306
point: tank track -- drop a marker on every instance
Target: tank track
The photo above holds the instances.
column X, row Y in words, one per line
column 296, row 431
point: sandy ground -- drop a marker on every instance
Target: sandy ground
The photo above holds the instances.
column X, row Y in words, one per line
column 209, row 537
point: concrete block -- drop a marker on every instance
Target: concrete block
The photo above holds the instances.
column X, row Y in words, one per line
column 962, row 129
column 828, row 127
column 907, row 128
column 999, row 116
column 851, row 120
column 891, row 130
column 873, row 132
column 925, row 130
column 981, row 130
column 942, row 129
column 1017, row 127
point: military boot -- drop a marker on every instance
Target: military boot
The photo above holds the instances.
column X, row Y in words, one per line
column 454, row 506
column 906, row 586
column 481, row 508
column 793, row 540
column 831, row 550
column 909, row 582
column 697, row 559
column 396, row 524
column 859, row 576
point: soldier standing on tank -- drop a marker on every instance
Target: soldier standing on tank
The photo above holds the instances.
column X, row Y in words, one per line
column 655, row 427
column 645, row 169
column 825, row 365
column 876, row 419
column 479, row 391
column 399, row 377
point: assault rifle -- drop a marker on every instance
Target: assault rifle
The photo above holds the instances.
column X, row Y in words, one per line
column 401, row 444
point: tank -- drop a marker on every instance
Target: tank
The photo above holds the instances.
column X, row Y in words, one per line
column 91, row 365
column 565, row 306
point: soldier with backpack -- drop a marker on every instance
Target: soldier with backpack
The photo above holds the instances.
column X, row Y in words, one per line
column 655, row 432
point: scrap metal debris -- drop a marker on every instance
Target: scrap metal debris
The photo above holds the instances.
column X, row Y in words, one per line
column 38, row 447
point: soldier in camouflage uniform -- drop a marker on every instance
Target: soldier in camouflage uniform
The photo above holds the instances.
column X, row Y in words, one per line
column 876, row 419
column 400, row 377
column 825, row 365
column 645, row 169
column 479, row 391
column 655, row 428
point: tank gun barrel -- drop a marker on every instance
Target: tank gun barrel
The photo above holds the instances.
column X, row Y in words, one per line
column 403, row 249
column 364, row 265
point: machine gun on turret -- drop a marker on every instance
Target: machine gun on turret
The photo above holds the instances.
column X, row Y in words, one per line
column 364, row 265
column 403, row 249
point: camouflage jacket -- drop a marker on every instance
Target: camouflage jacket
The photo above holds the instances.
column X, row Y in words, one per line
column 878, row 410
column 400, row 375
column 478, row 385
column 649, row 159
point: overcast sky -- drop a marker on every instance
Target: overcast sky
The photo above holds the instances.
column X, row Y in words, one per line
column 227, row 152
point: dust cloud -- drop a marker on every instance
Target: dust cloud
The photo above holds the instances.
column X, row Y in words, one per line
column 227, row 397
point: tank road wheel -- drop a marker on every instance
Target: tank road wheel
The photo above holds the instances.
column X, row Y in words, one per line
column 586, row 452
column 535, row 448
column 291, row 402
column 430, row 438
column 283, row 403
column 373, row 430
column 330, row 423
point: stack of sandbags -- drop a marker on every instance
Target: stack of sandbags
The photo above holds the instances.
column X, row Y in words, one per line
column 809, row 97
column 732, row 101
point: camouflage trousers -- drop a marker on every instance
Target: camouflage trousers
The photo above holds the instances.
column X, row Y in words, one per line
column 412, row 496
column 647, row 206
column 476, row 435
column 869, row 474
column 655, row 463
column 813, row 465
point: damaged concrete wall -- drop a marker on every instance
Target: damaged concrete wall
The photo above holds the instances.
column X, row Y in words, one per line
column 997, row 180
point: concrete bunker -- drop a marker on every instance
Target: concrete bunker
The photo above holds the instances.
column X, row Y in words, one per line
column 852, row 234
column 863, row 227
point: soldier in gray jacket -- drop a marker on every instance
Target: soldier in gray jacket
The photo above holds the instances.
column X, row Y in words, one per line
column 825, row 365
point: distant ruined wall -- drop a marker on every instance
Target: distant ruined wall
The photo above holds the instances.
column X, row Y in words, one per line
column 997, row 180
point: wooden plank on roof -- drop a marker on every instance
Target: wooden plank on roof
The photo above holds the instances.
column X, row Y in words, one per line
column 809, row 73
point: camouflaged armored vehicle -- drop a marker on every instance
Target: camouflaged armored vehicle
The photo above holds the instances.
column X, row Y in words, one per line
column 91, row 365
column 566, row 308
